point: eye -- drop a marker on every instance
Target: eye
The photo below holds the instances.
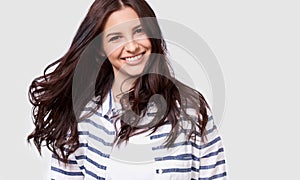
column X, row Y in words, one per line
column 114, row 38
column 139, row 30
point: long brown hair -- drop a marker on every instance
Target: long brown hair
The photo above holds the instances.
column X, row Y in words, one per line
column 57, row 104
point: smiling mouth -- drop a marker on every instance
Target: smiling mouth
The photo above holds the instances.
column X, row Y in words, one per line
column 133, row 58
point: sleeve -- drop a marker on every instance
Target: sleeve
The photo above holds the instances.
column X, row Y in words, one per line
column 212, row 157
column 62, row 171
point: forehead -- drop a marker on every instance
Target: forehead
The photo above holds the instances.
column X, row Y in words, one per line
column 124, row 18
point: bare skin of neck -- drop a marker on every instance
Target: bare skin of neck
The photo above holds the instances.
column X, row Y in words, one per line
column 120, row 85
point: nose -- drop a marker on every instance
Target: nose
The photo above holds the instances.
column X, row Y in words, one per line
column 131, row 46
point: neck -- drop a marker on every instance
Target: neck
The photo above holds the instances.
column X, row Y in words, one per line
column 120, row 85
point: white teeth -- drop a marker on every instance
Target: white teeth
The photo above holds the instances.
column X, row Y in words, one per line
column 131, row 59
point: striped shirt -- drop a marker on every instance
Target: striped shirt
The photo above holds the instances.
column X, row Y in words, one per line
column 144, row 154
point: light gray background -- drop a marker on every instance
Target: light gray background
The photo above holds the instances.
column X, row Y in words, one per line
column 256, row 43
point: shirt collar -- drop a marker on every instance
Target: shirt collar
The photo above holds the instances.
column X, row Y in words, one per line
column 108, row 104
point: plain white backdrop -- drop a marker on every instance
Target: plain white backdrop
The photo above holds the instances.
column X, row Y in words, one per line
column 257, row 45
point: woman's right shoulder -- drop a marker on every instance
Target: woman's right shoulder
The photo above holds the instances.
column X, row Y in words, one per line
column 90, row 107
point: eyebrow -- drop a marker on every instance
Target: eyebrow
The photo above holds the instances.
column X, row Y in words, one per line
column 118, row 33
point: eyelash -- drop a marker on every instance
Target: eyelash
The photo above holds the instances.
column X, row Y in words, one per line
column 114, row 38
column 139, row 30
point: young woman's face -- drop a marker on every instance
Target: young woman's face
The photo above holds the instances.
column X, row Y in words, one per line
column 125, row 43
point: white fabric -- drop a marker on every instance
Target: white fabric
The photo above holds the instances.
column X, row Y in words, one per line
column 97, row 159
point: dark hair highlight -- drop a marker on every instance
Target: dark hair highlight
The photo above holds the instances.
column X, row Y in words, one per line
column 57, row 105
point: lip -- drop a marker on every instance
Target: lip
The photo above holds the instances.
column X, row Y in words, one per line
column 134, row 62
column 133, row 55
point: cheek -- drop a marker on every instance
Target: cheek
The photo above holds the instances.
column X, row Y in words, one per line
column 147, row 44
column 112, row 49
column 113, row 53
column 144, row 41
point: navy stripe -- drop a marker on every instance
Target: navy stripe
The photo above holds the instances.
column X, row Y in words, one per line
column 89, row 121
column 213, row 153
column 97, row 113
column 211, row 130
column 179, row 157
column 94, row 150
column 159, row 136
column 211, row 142
column 212, row 166
column 91, row 173
column 66, row 172
column 179, row 170
column 84, row 157
column 215, row 176
column 110, row 100
column 68, row 162
column 209, row 166
column 107, row 118
column 95, row 137
column 151, row 114
column 91, row 109
column 195, row 169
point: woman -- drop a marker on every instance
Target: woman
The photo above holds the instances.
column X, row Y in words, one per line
column 111, row 108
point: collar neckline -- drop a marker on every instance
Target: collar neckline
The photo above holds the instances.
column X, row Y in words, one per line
column 109, row 104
